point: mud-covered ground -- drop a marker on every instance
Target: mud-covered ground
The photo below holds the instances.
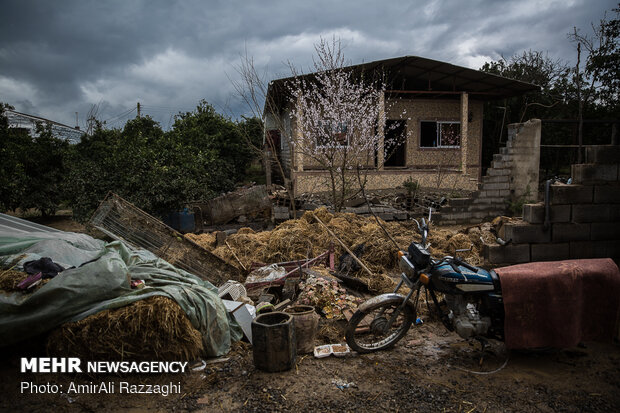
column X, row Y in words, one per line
column 429, row 370
column 426, row 371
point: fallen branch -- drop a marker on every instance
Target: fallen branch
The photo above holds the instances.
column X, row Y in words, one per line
column 344, row 246
column 235, row 255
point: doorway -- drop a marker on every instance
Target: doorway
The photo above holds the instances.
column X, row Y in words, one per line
column 395, row 143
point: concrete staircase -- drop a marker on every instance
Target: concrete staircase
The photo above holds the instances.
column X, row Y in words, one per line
column 488, row 201
column 515, row 164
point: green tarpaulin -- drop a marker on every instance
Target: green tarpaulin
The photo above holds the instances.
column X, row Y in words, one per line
column 103, row 282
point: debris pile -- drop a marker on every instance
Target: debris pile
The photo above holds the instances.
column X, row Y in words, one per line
column 305, row 237
column 327, row 296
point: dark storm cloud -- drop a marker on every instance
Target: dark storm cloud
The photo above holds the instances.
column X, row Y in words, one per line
column 59, row 57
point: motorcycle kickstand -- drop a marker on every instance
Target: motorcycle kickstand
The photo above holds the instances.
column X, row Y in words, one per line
column 483, row 345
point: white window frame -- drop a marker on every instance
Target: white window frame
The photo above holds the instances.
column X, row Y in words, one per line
column 341, row 125
column 439, row 123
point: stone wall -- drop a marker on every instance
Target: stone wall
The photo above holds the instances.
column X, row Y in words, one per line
column 584, row 217
column 513, row 175
column 318, row 181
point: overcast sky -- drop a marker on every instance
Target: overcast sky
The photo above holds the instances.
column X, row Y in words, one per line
column 61, row 57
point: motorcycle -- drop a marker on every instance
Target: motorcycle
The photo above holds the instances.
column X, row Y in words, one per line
column 472, row 302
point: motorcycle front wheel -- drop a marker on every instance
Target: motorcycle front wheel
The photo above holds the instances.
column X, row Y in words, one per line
column 370, row 330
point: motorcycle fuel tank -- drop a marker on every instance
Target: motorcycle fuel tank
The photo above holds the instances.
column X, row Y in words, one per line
column 446, row 280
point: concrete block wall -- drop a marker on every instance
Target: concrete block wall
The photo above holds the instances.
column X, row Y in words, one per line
column 584, row 217
column 513, row 174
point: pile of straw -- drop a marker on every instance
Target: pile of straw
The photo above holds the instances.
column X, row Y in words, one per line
column 10, row 278
column 305, row 237
column 155, row 328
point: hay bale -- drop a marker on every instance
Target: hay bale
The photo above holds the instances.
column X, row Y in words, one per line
column 10, row 278
column 155, row 328
column 206, row 241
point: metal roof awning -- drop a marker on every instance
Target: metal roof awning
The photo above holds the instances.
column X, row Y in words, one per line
column 414, row 75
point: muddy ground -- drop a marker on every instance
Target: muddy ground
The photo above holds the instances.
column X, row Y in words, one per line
column 429, row 370
column 426, row 371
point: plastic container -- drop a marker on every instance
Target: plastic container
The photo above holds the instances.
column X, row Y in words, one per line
column 186, row 221
column 306, row 322
column 182, row 221
column 273, row 342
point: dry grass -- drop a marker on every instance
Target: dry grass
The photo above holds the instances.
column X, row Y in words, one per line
column 304, row 238
column 155, row 328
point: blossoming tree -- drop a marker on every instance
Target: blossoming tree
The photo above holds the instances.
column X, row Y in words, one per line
column 339, row 119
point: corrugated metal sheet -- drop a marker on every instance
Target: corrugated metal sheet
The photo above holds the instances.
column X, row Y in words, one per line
column 29, row 123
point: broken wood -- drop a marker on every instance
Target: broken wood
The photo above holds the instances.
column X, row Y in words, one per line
column 282, row 305
column 235, row 255
column 344, row 246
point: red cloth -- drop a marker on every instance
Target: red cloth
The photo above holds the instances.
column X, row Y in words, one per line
column 560, row 303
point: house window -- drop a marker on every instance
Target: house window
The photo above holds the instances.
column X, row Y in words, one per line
column 434, row 134
column 333, row 134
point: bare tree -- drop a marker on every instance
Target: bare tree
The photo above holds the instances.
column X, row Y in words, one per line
column 252, row 88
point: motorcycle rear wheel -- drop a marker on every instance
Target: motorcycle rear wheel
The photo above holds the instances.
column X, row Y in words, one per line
column 373, row 334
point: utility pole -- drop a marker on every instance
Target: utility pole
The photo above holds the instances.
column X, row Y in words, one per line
column 580, row 114
column 138, row 107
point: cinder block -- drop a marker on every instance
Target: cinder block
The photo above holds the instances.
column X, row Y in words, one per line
column 603, row 154
column 587, row 173
column 504, row 193
column 487, row 179
column 550, row 252
column 563, row 232
column 570, row 194
column 459, row 201
column 609, row 193
column 590, row 213
column 400, row 215
column 499, row 164
column 510, row 254
column 600, row 231
column 522, row 233
column 613, row 248
column 498, row 172
column 592, row 249
column 281, row 213
column 535, row 213
column 491, row 193
column 498, row 185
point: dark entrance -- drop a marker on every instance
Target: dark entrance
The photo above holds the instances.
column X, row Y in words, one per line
column 273, row 142
column 395, row 143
